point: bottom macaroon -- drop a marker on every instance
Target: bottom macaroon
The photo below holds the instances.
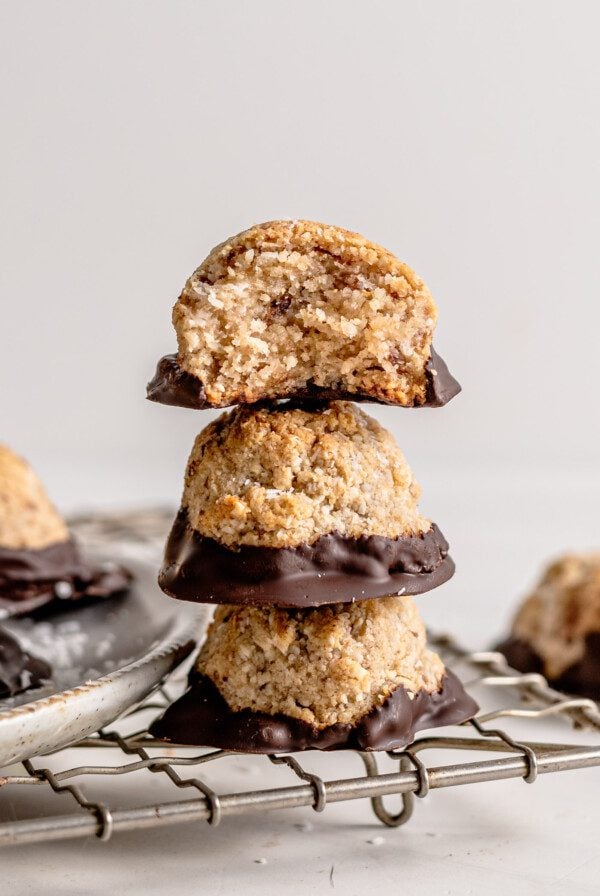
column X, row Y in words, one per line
column 355, row 676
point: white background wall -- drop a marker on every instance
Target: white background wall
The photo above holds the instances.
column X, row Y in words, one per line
column 464, row 136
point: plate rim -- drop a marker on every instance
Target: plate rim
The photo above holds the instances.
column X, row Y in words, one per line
column 142, row 675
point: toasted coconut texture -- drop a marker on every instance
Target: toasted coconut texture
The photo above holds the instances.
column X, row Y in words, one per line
column 296, row 307
column 557, row 628
column 322, row 666
column 28, row 520
column 300, row 506
column 283, row 476
column 355, row 676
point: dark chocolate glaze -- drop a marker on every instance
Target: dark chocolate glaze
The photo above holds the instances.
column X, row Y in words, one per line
column 333, row 569
column 441, row 386
column 19, row 670
column 174, row 386
column 53, row 562
column 582, row 678
column 201, row 717
column 30, row 579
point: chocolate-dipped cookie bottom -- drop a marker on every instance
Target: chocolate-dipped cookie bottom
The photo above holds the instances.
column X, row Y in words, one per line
column 19, row 670
column 582, row 678
column 201, row 717
column 31, row 579
column 172, row 385
column 333, row 569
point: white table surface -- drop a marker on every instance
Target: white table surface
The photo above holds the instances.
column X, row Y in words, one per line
column 489, row 838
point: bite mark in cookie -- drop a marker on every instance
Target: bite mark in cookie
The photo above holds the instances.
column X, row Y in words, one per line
column 298, row 308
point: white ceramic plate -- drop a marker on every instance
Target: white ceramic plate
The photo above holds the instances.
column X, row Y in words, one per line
column 105, row 657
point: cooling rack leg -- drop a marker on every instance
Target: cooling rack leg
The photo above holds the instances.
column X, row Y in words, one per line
column 408, row 799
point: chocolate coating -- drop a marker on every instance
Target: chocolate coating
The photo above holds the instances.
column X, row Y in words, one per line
column 441, row 386
column 19, row 670
column 333, row 569
column 30, row 579
column 201, row 717
column 582, row 678
column 172, row 385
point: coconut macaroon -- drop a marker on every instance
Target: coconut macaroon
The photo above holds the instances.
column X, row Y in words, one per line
column 300, row 506
column 294, row 308
column 40, row 563
column 277, row 477
column 28, row 519
column 557, row 628
column 324, row 667
column 357, row 675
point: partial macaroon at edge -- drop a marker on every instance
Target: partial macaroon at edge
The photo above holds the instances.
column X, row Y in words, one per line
column 556, row 630
column 40, row 562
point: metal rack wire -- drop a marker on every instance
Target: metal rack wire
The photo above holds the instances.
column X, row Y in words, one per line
column 127, row 755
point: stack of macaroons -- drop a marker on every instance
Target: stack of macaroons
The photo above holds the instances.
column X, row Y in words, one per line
column 41, row 567
column 299, row 514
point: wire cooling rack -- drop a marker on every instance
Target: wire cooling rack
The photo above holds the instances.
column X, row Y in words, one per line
column 120, row 753
column 132, row 781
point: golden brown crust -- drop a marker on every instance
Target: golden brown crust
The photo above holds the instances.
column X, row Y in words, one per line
column 289, row 304
column 323, row 666
column 280, row 478
column 303, row 236
column 28, row 519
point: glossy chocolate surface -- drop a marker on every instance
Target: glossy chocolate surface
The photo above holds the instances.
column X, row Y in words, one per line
column 202, row 717
column 334, row 569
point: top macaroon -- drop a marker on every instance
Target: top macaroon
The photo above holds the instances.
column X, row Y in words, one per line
column 301, row 309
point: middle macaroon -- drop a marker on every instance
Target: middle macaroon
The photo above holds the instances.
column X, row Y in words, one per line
column 299, row 505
